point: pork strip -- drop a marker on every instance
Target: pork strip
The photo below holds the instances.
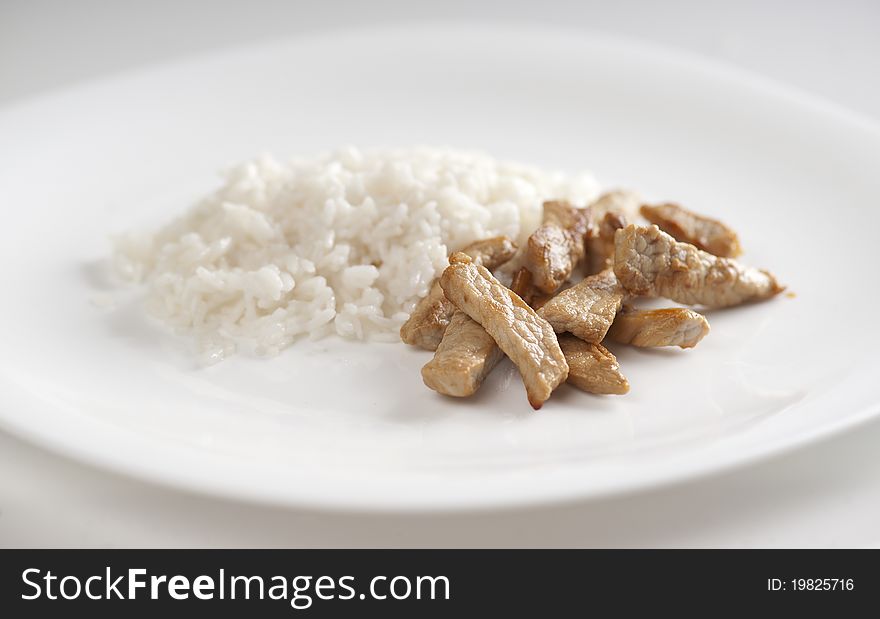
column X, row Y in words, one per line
column 427, row 323
column 647, row 261
column 674, row 326
column 612, row 210
column 431, row 315
column 592, row 367
column 686, row 226
column 620, row 201
column 520, row 333
column 522, row 286
column 601, row 243
column 465, row 357
column 558, row 245
column 587, row 309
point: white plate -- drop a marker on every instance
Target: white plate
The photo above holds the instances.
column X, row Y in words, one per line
column 344, row 425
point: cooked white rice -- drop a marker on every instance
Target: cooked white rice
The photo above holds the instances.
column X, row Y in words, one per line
column 345, row 243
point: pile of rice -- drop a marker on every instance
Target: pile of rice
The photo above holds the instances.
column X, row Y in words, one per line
column 344, row 243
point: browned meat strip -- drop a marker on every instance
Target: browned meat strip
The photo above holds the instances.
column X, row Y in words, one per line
column 522, row 285
column 539, row 300
column 556, row 248
column 688, row 227
column 592, row 367
column 587, row 309
column 463, row 359
column 612, row 210
column 601, row 243
column 620, row 201
column 674, row 326
column 647, row 261
column 429, row 319
column 523, row 336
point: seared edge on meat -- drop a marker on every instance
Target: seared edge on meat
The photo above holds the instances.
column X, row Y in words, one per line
column 674, row 326
column 686, row 226
column 431, row 315
column 522, row 286
column 524, row 336
column 557, row 246
column 427, row 323
column 601, row 243
column 620, row 201
column 612, row 210
column 647, row 261
column 592, row 367
column 463, row 359
column 587, row 309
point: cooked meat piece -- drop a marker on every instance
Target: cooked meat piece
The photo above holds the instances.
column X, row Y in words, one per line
column 624, row 203
column 522, row 286
column 612, row 210
column 587, row 309
column 564, row 215
column 674, row 326
column 592, row 367
column 492, row 252
column 601, row 242
column 647, row 261
column 467, row 353
column 556, row 248
column 429, row 319
column 427, row 323
column 523, row 336
column 539, row 300
column 463, row 359
column 688, row 227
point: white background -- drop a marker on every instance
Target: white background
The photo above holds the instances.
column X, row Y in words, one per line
column 827, row 495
